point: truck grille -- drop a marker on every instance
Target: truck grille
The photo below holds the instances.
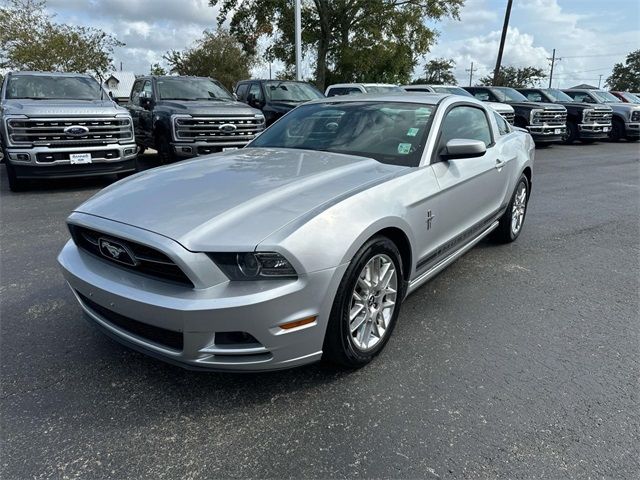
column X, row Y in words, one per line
column 51, row 132
column 509, row 117
column 553, row 117
column 599, row 116
column 149, row 261
column 240, row 129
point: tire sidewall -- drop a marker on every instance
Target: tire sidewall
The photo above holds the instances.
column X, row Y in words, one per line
column 340, row 310
column 522, row 179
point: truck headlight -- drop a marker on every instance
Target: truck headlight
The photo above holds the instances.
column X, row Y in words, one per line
column 534, row 116
column 635, row 116
column 253, row 265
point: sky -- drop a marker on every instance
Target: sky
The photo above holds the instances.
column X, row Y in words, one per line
column 589, row 36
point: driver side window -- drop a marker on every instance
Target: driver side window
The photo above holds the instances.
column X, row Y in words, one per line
column 465, row 122
column 135, row 92
column 255, row 92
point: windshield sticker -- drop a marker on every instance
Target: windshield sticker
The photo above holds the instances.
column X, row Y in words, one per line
column 404, row 148
column 412, row 132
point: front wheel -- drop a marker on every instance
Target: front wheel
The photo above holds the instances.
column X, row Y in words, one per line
column 571, row 133
column 366, row 306
column 617, row 130
column 512, row 220
column 165, row 151
column 15, row 184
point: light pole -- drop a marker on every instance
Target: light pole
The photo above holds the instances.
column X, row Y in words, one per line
column 505, row 26
column 298, row 35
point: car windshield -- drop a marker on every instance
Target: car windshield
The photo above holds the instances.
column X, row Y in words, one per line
column 630, row 97
column 50, row 87
column 187, row 88
column 296, row 92
column 383, row 89
column 558, row 95
column 605, row 97
column 451, row 90
column 508, row 94
column 389, row 132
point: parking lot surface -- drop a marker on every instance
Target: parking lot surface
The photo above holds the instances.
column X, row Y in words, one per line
column 518, row 361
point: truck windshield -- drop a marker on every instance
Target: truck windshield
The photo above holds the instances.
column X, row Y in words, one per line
column 50, row 87
column 605, row 97
column 508, row 94
column 630, row 97
column 188, row 88
column 558, row 95
column 389, row 132
column 296, row 92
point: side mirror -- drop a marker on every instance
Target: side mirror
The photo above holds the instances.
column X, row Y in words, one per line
column 463, row 148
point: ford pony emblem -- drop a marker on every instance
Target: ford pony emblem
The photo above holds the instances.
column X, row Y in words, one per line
column 76, row 130
column 117, row 252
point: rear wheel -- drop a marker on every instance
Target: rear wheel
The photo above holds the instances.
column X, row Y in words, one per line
column 571, row 133
column 15, row 184
column 366, row 306
column 512, row 220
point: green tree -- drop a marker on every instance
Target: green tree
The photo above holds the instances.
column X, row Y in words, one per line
column 439, row 71
column 217, row 55
column 516, row 77
column 31, row 40
column 156, row 69
column 626, row 78
column 349, row 40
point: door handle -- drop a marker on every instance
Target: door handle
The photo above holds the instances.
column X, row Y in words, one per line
column 500, row 164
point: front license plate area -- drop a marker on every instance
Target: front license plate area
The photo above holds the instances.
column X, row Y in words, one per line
column 79, row 158
column 226, row 149
column 605, row 129
column 558, row 131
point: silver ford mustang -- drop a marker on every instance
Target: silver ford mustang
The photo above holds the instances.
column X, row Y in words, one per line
column 302, row 245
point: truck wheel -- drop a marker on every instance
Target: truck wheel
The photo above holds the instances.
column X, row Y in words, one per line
column 15, row 184
column 617, row 130
column 571, row 133
column 512, row 220
column 366, row 305
column 165, row 153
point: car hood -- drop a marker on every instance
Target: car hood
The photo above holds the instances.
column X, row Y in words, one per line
column 234, row 200
column 501, row 107
column 544, row 105
column 49, row 108
column 205, row 107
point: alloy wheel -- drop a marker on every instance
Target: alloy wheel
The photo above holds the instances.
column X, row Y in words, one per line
column 519, row 208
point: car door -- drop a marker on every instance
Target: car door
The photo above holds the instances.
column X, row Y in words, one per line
column 135, row 108
column 472, row 190
column 146, row 112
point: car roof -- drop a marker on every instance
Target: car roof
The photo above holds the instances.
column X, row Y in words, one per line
column 49, row 74
column 269, row 80
column 407, row 97
column 362, row 84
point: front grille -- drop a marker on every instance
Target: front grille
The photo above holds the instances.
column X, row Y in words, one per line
column 150, row 261
column 509, row 117
column 239, row 129
column 599, row 116
column 161, row 336
column 553, row 117
column 51, row 132
column 48, row 157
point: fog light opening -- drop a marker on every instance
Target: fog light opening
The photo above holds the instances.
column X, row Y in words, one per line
column 298, row 323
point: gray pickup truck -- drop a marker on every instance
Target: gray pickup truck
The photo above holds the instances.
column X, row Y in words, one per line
column 55, row 125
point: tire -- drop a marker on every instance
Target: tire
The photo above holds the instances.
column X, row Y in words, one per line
column 617, row 130
column 15, row 184
column 506, row 231
column 571, row 134
column 356, row 349
column 165, row 153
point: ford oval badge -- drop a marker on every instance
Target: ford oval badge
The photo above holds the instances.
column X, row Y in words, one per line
column 76, row 130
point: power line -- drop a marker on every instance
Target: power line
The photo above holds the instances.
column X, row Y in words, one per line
column 597, row 55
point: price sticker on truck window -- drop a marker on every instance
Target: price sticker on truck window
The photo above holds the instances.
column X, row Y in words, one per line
column 412, row 132
column 404, row 148
column 79, row 158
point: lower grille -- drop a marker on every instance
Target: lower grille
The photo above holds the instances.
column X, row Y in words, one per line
column 161, row 336
column 148, row 261
column 48, row 157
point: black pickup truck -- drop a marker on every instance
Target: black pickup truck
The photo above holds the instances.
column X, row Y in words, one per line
column 546, row 122
column 585, row 122
column 185, row 117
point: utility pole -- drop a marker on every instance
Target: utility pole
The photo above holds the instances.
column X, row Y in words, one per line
column 470, row 70
column 553, row 60
column 505, row 26
column 599, row 81
column 298, row 35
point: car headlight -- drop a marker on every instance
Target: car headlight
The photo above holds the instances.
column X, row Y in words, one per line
column 253, row 265
column 585, row 114
column 534, row 117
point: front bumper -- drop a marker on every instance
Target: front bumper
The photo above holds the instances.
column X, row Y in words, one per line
column 53, row 162
column 196, row 315
column 632, row 129
column 594, row 130
column 195, row 149
column 547, row 133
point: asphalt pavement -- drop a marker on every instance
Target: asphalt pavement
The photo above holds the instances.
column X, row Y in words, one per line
column 518, row 361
